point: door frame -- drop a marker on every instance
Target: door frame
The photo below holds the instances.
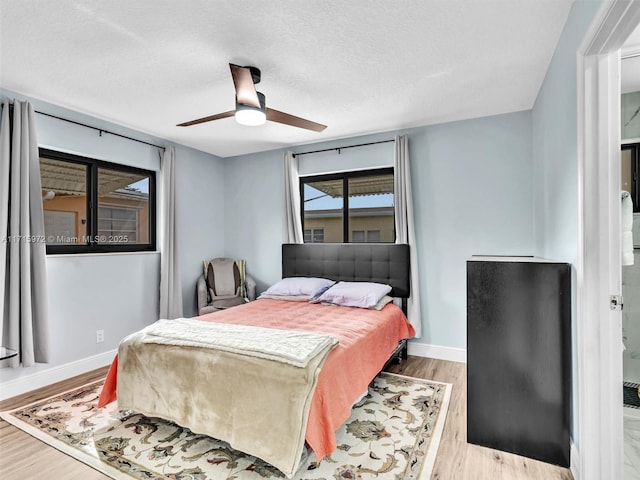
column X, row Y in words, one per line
column 598, row 442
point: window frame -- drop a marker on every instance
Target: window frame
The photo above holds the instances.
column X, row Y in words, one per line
column 92, row 206
column 635, row 173
column 345, row 176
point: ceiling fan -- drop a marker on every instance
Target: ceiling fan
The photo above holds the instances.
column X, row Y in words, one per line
column 251, row 107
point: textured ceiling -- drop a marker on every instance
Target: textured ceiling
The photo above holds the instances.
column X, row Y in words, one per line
column 360, row 67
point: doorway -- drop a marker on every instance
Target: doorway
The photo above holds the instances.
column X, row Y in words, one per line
column 599, row 270
column 630, row 245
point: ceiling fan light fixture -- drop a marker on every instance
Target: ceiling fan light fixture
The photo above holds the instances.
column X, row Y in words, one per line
column 251, row 106
column 251, row 116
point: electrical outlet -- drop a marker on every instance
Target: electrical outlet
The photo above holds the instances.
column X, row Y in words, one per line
column 99, row 336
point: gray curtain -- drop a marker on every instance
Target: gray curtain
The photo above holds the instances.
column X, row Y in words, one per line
column 293, row 221
column 23, row 272
column 170, row 279
column 405, row 228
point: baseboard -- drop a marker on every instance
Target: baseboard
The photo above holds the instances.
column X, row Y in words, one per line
column 47, row 376
column 436, row 351
column 633, row 413
column 574, row 461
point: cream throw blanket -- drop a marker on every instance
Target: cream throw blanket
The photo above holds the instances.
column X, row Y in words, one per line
column 287, row 346
column 197, row 374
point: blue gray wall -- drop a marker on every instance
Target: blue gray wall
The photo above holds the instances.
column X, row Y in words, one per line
column 119, row 293
column 501, row 185
column 555, row 143
column 555, row 159
column 472, row 195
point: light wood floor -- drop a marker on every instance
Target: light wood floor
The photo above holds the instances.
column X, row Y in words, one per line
column 23, row 457
column 459, row 460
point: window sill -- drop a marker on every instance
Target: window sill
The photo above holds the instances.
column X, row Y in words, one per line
column 101, row 254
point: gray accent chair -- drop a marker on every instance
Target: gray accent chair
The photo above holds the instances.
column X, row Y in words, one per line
column 209, row 302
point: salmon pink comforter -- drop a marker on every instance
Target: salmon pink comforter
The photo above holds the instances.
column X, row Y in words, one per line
column 366, row 340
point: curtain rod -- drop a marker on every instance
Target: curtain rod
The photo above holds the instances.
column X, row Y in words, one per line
column 101, row 130
column 340, row 148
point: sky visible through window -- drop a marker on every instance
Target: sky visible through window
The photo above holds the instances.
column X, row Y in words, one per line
column 141, row 185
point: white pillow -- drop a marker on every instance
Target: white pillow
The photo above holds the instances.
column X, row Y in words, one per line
column 355, row 294
column 294, row 286
column 382, row 303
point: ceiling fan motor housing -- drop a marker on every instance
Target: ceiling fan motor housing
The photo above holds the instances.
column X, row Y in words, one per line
column 255, row 74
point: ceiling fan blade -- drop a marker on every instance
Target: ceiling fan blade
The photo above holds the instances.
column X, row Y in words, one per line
column 281, row 117
column 245, row 88
column 210, row 118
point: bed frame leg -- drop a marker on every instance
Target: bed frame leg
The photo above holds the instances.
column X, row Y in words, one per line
column 402, row 355
column 398, row 355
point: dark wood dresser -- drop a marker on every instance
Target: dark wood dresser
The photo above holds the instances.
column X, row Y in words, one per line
column 519, row 356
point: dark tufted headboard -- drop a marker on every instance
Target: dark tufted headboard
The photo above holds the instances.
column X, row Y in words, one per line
column 350, row 262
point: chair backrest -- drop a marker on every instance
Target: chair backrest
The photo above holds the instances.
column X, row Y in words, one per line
column 223, row 277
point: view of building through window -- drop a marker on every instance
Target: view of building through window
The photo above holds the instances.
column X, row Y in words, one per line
column 121, row 216
column 349, row 207
column 123, row 210
column 64, row 200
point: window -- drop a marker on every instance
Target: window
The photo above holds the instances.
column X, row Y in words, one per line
column 373, row 236
column 314, row 235
column 357, row 236
column 630, row 170
column 115, row 221
column 349, row 207
column 96, row 206
column 370, row 236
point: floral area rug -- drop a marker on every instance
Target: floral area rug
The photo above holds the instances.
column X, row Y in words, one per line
column 393, row 433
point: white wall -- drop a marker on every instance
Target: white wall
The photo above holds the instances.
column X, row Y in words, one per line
column 472, row 195
column 119, row 293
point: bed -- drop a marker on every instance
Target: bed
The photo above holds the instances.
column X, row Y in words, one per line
column 259, row 404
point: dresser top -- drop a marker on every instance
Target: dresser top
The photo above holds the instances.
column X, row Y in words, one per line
column 500, row 258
